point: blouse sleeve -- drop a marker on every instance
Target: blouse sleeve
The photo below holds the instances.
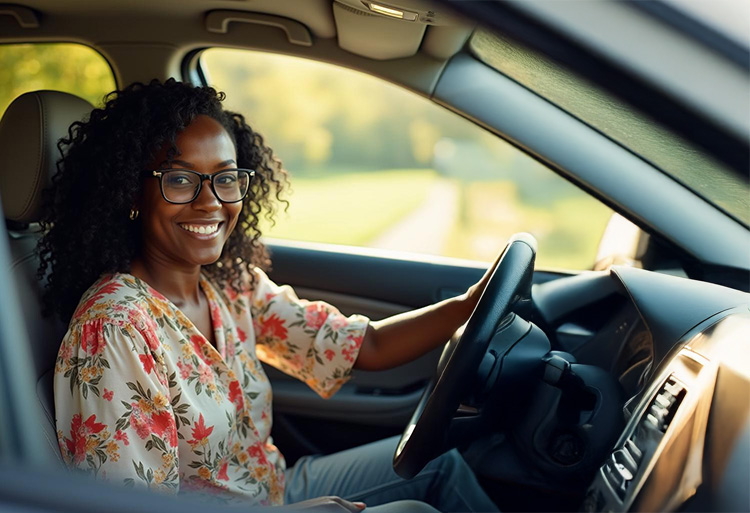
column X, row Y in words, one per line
column 310, row 340
column 114, row 414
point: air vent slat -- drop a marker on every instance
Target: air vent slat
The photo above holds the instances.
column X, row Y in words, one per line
column 626, row 462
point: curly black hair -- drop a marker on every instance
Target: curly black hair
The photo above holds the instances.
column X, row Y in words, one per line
column 99, row 178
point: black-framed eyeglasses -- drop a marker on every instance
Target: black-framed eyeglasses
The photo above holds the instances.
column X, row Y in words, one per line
column 180, row 186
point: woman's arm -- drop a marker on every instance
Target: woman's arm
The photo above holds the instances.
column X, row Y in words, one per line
column 404, row 337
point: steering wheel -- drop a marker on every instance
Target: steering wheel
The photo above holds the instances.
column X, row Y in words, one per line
column 468, row 366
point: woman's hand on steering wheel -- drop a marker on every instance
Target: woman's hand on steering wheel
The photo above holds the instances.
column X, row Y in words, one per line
column 505, row 284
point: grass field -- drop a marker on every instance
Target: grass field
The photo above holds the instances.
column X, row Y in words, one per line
column 350, row 208
column 356, row 208
column 567, row 228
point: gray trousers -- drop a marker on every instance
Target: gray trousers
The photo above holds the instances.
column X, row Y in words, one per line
column 366, row 474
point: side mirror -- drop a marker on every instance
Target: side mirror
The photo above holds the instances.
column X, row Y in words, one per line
column 622, row 243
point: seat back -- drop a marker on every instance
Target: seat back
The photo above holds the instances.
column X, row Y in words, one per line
column 29, row 131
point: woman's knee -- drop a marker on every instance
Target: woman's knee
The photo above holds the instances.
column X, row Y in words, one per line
column 452, row 463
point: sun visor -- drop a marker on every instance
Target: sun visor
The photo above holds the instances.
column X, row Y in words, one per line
column 395, row 30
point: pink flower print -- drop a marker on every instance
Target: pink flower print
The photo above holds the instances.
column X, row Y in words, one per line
column 273, row 326
column 122, row 436
column 164, row 426
column 156, row 294
column 256, row 451
column 146, row 326
column 352, row 347
column 106, row 289
column 66, row 351
column 222, row 475
column 216, row 317
column 152, row 339
column 329, row 354
column 205, row 374
column 76, row 445
column 315, row 315
column 348, row 353
column 337, row 321
column 297, row 361
column 91, row 341
column 200, row 346
column 235, row 394
column 147, row 361
column 200, row 431
column 197, row 342
column 230, row 293
column 91, row 426
column 185, row 369
column 241, row 335
column 78, row 435
column 139, row 422
column 108, row 394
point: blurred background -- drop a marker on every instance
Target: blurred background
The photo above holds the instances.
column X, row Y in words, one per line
column 371, row 165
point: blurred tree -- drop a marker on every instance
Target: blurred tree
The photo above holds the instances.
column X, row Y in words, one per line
column 68, row 67
column 317, row 115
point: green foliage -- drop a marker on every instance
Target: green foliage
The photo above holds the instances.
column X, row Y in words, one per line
column 317, row 115
column 350, row 208
column 68, row 67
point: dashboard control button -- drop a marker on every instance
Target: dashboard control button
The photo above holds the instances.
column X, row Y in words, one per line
column 653, row 421
column 634, row 451
column 673, row 388
column 664, row 401
column 622, row 457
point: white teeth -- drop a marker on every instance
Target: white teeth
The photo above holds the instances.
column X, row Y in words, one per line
column 207, row 230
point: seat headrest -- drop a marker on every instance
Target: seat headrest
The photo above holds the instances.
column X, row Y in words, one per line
column 29, row 131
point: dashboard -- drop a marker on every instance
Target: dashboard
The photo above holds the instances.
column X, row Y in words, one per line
column 679, row 350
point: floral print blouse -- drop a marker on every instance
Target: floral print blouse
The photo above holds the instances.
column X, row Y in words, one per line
column 143, row 399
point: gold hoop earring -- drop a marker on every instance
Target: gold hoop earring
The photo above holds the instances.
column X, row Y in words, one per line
column 134, row 213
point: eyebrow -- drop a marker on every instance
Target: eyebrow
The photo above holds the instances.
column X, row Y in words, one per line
column 191, row 166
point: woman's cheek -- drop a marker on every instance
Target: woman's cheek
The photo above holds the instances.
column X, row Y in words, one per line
column 235, row 218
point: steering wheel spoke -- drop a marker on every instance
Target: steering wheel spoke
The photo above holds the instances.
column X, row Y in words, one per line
column 493, row 356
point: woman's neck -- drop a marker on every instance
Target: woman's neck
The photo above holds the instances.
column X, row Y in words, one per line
column 180, row 285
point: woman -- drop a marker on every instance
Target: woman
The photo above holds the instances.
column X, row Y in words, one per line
column 154, row 257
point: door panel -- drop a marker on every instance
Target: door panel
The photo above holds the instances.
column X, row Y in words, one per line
column 373, row 283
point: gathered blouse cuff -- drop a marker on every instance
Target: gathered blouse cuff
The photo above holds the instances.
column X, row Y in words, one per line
column 310, row 340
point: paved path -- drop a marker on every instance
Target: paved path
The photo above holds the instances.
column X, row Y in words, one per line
column 426, row 229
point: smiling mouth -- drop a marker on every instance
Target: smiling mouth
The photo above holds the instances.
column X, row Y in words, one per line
column 200, row 229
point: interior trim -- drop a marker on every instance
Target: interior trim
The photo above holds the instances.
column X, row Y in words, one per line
column 297, row 34
column 25, row 17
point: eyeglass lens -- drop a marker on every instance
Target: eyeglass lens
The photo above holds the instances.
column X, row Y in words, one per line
column 181, row 186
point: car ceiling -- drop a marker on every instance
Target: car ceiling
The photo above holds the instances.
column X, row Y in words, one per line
column 340, row 31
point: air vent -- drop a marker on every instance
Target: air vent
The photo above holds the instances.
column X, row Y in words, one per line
column 626, row 461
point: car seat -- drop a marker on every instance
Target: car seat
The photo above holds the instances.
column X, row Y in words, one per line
column 29, row 131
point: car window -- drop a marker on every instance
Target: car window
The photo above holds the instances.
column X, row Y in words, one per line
column 68, row 67
column 642, row 135
column 376, row 166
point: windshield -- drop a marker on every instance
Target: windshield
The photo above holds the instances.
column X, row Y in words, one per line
column 630, row 128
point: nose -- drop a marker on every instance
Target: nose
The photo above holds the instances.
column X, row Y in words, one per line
column 206, row 199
